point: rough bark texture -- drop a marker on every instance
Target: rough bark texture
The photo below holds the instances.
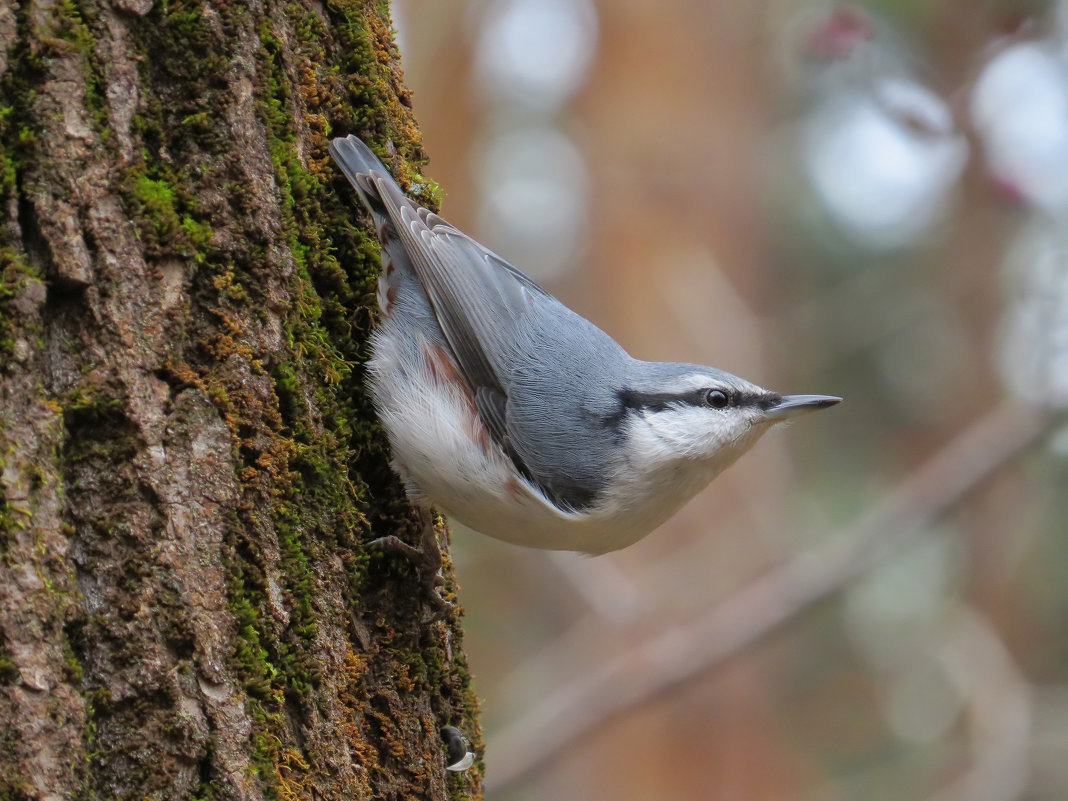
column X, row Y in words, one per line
column 189, row 469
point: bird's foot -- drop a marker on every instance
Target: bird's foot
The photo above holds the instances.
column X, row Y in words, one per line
column 426, row 558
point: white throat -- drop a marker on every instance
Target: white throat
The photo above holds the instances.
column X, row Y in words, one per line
column 673, row 455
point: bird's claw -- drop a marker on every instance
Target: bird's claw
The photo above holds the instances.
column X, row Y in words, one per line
column 427, row 559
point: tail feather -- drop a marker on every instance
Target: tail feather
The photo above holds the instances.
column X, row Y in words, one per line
column 354, row 157
column 364, row 171
column 358, row 162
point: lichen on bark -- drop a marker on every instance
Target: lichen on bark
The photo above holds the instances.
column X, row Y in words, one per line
column 190, row 469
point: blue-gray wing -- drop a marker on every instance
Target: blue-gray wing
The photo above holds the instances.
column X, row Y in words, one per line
column 497, row 323
column 478, row 297
column 479, row 301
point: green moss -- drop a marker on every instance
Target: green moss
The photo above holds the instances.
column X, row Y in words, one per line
column 9, row 673
column 180, row 131
column 198, row 233
column 427, row 189
column 72, row 667
column 157, row 203
column 168, row 215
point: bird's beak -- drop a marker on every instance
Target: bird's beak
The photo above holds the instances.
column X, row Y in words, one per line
column 793, row 405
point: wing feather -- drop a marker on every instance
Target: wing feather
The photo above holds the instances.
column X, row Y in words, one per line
column 479, row 301
column 477, row 298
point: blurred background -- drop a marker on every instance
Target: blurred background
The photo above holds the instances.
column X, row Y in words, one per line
column 865, row 200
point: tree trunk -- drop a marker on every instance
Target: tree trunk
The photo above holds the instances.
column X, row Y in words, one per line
column 190, row 469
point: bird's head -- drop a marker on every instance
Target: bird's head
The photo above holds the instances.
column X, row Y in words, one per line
column 685, row 413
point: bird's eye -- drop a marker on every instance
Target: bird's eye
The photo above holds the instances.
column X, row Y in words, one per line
column 717, row 399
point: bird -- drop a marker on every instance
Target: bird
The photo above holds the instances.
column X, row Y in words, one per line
column 518, row 417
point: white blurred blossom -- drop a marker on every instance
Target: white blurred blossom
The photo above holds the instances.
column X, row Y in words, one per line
column 1019, row 107
column 531, row 58
column 536, row 53
column 879, row 151
column 883, row 160
column 535, row 192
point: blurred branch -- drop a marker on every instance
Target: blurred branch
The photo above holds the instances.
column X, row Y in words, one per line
column 999, row 698
column 686, row 651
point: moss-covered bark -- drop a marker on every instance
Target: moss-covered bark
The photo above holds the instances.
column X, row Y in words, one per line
column 189, row 468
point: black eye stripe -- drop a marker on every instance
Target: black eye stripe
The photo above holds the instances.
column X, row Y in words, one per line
column 631, row 400
column 658, row 401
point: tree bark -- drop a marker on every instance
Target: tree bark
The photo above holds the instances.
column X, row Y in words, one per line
column 189, row 467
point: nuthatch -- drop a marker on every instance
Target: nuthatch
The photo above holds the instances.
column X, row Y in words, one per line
column 518, row 417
